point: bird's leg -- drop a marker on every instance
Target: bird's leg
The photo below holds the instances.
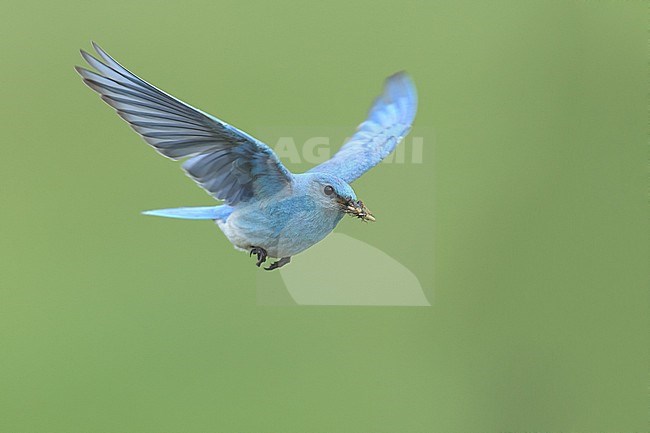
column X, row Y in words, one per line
column 261, row 255
column 283, row 261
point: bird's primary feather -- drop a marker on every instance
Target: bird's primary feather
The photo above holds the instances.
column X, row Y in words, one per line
column 228, row 163
column 389, row 120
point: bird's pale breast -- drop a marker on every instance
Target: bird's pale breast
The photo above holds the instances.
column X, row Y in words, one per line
column 283, row 228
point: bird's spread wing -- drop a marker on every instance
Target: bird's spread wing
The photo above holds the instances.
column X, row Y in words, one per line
column 389, row 120
column 228, row 163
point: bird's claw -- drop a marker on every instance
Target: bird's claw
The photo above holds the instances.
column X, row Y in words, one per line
column 275, row 265
column 261, row 255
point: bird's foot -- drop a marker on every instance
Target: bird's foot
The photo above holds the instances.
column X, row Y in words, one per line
column 261, row 255
column 275, row 265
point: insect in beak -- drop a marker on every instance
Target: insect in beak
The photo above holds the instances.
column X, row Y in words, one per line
column 357, row 209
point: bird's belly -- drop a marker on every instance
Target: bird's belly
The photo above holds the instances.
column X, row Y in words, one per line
column 280, row 237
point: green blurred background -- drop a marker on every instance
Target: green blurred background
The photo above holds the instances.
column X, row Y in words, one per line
column 526, row 222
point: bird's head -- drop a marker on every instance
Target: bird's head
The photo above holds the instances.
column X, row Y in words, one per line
column 335, row 194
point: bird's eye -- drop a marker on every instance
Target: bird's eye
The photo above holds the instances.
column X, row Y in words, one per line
column 328, row 190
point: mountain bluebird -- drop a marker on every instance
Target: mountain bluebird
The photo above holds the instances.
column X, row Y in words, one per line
column 268, row 210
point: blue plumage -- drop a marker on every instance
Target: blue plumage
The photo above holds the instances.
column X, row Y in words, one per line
column 268, row 210
column 194, row 213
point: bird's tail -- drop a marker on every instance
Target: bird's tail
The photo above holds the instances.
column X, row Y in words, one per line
column 194, row 213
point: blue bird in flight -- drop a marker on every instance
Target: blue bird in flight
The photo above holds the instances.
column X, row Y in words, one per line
column 268, row 211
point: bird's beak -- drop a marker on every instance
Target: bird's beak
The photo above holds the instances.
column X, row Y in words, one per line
column 357, row 209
